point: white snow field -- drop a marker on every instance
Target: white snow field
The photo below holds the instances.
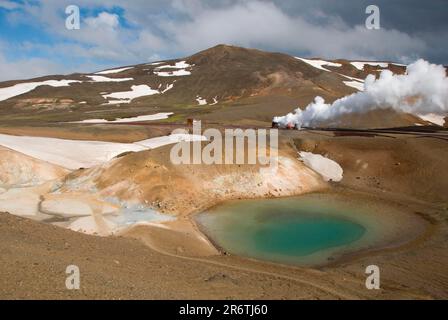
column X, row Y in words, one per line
column 176, row 73
column 330, row 170
column 75, row 154
column 114, row 70
column 21, row 88
column 167, row 88
column 352, row 78
column 320, row 63
column 149, row 117
column 434, row 118
column 360, row 64
column 70, row 154
column 106, row 79
column 355, row 84
column 179, row 72
column 215, row 101
column 158, row 142
column 201, row 101
column 127, row 96
column 178, row 65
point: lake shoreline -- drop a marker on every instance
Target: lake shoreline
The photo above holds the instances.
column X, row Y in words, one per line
column 421, row 229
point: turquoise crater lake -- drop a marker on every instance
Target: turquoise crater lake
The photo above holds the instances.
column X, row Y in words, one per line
column 298, row 231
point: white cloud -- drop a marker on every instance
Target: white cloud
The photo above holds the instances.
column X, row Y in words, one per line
column 103, row 20
column 8, row 5
column 176, row 28
column 263, row 24
column 24, row 69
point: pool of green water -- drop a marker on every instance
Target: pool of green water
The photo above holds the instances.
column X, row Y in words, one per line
column 292, row 230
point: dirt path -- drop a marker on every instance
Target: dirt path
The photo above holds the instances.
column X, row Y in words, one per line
column 325, row 289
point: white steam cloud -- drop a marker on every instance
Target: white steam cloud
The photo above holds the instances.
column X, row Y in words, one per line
column 422, row 90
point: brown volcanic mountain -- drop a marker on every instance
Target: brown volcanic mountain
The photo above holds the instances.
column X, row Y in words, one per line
column 239, row 85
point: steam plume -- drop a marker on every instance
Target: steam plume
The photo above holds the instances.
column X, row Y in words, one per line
column 422, row 90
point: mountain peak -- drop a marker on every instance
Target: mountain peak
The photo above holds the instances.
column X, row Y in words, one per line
column 225, row 50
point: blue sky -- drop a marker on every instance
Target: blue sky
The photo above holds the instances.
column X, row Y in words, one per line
column 34, row 40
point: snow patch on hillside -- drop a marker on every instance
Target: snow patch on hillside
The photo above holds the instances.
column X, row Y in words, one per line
column 201, row 101
column 106, row 79
column 330, row 170
column 355, row 84
column 75, row 154
column 178, row 65
column 215, row 101
column 352, row 78
column 158, row 142
column 167, row 88
column 70, row 154
column 360, row 64
column 176, row 73
column 150, row 117
column 114, row 70
column 180, row 72
column 320, row 63
column 21, row 88
column 434, row 118
column 127, row 96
